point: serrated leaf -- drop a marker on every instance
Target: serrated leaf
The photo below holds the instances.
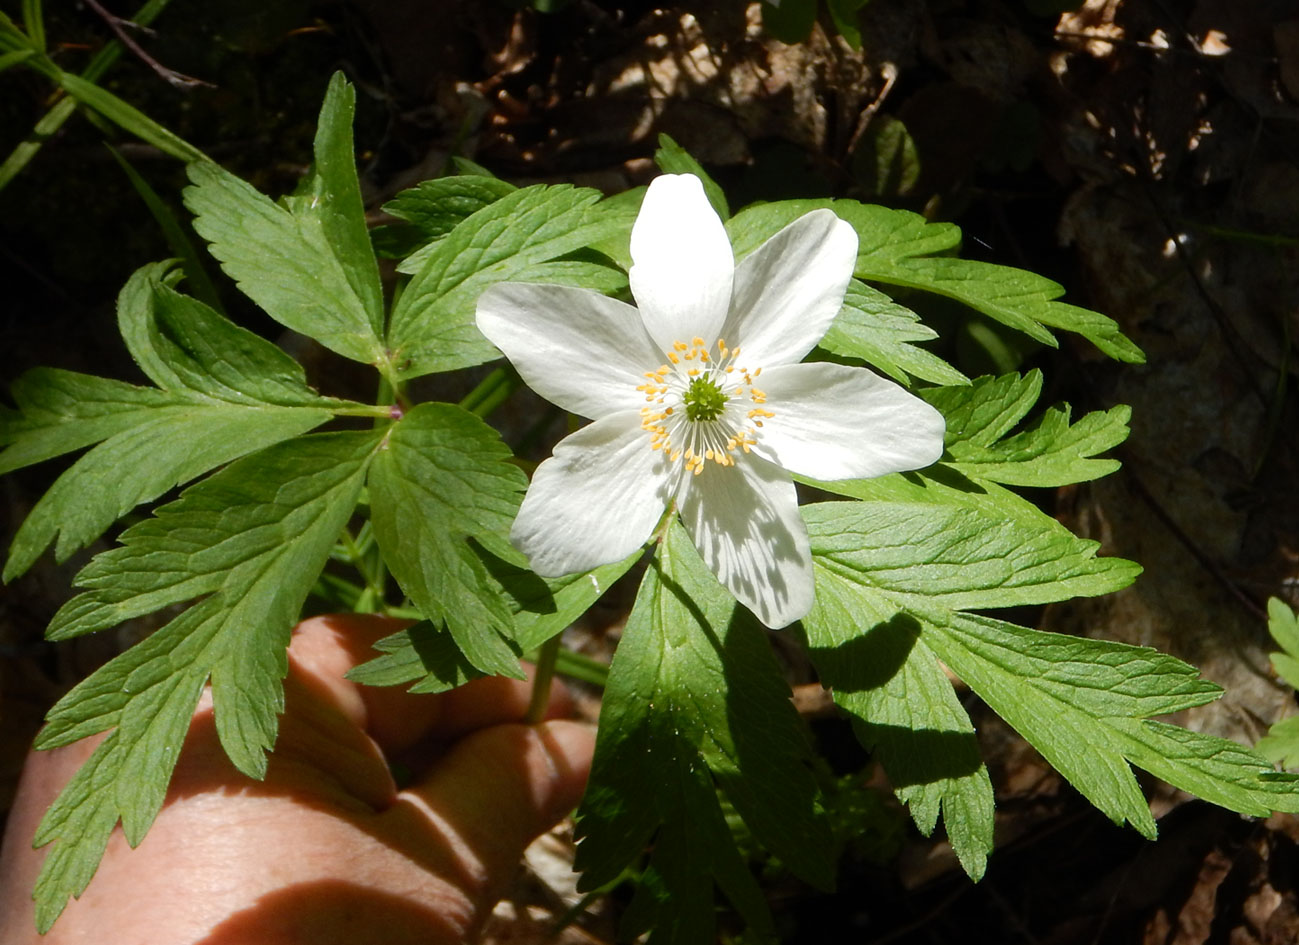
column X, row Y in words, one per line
column 1283, row 625
column 229, row 393
column 254, row 537
column 1281, row 743
column 541, row 607
column 987, row 409
column 1066, row 695
column 433, row 208
column 520, row 237
column 308, row 264
column 62, row 411
column 177, row 239
column 424, row 652
column 170, row 446
column 183, row 345
column 1082, row 703
column 874, row 328
column 695, row 699
column 544, row 607
column 674, row 159
column 899, row 248
column 1015, row 297
column 904, row 708
column 441, row 478
column 1052, row 452
column 958, row 557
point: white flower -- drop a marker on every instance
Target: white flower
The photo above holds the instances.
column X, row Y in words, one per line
column 699, row 400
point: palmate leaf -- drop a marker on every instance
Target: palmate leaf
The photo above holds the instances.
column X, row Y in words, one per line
column 308, row 263
column 695, row 703
column 1050, row 453
column 883, row 569
column 442, row 478
column 250, row 540
column 225, row 393
column 900, row 248
column 526, row 236
column 879, row 331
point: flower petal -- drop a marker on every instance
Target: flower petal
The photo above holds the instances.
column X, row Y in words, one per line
column 838, row 422
column 575, row 347
column 789, row 289
column 682, row 262
column 595, row 500
column 744, row 520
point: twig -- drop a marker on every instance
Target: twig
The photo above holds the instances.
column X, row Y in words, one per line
column 115, row 23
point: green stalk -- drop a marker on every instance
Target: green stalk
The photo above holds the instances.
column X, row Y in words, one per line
column 62, row 110
column 546, row 656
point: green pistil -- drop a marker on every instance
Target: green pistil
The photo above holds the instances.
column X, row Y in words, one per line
column 704, row 400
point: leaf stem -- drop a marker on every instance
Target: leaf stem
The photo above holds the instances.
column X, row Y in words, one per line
column 546, row 656
column 492, row 391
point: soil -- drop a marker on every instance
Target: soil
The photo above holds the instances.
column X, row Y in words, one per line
column 1143, row 153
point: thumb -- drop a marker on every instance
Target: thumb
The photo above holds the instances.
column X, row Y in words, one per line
column 492, row 794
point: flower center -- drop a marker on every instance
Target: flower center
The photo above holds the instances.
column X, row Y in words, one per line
column 704, row 400
column 703, row 406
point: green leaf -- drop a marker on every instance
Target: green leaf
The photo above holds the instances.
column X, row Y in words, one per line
column 1284, row 628
column 309, row 264
column 35, row 23
column 1281, row 743
column 424, row 652
column 874, row 328
column 790, row 21
column 984, row 412
column 695, row 703
column 229, row 393
column 674, row 159
column 253, row 537
column 959, row 557
column 442, row 477
column 899, row 248
column 128, row 117
column 1015, row 297
column 519, row 238
column 1050, row 453
column 433, row 208
column 61, row 411
column 185, row 346
column 544, row 607
column 1080, row 702
column 332, row 201
column 541, row 607
column 170, row 446
column 844, row 13
column 905, row 710
column 886, row 162
column 14, row 58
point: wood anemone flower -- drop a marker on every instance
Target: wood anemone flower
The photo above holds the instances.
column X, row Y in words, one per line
column 700, row 400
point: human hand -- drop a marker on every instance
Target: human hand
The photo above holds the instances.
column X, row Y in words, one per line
column 326, row 849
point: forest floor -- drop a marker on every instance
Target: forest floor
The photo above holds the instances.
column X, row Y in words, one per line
column 1143, row 153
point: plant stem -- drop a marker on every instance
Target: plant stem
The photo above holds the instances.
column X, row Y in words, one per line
column 546, row 656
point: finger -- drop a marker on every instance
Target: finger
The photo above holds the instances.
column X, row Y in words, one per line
column 325, row 648
column 44, row 775
column 491, row 795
